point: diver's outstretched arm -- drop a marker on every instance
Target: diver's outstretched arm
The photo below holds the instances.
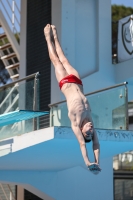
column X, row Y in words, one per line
column 82, row 144
column 96, row 147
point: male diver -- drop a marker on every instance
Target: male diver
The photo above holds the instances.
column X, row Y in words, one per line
column 78, row 105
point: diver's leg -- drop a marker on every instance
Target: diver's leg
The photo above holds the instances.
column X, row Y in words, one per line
column 59, row 69
column 62, row 58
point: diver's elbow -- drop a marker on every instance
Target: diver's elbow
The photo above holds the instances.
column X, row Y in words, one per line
column 96, row 145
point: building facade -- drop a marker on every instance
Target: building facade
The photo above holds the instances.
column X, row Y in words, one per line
column 85, row 32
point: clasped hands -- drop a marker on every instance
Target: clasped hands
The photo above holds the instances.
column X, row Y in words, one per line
column 94, row 168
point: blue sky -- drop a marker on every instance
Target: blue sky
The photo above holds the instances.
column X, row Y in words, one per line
column 128, row 3
column 8, row 7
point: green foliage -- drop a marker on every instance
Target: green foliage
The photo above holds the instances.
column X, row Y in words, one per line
column 119, row 12
column 17, row 36
column 7, row 41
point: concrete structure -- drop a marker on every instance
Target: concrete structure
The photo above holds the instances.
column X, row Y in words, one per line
column 48, row 163
column 85, row 34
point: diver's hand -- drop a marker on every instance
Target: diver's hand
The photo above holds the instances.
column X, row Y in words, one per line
column 94, row 168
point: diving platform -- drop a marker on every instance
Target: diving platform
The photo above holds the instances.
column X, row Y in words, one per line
column 59, row 148
column 48, row 162
column 52, row 157
column 19, row 115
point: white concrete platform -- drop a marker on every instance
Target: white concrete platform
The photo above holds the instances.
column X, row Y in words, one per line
column 49, row 163
column 56, row 148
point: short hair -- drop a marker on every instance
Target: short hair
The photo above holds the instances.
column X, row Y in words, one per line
column 86, row 141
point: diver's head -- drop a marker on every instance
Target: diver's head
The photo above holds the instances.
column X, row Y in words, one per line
column 87, row 131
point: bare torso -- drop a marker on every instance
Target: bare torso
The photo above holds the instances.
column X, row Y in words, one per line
column 78, row 105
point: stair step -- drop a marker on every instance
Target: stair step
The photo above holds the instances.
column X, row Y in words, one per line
column 5, row 46
column 12, row 66
column 2, row 35
column 14, row 76
column 8, row 56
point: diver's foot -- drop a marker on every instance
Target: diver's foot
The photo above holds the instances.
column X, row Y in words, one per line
column 54, row 31
column 47, row 31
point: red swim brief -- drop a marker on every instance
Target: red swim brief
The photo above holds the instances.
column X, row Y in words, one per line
column 70, row 79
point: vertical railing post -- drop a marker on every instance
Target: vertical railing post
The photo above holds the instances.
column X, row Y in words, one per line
column 10, row 196
column 51, row 116
column 35, row 99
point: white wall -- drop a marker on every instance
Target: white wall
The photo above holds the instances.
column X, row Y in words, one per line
column 86, row 41
column 20, row 192
column 74, row 184
column 48, row 162
column 84, row 38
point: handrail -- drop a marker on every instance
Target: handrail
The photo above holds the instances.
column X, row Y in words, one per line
column 97, row 91
column 108, row 88
column 23, row 79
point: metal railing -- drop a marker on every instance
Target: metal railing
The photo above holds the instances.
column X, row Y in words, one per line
column 59, row 109
column 35, row 76
column 94, row 92
column 12, row 14
column 13, row 86
column 20, row 95
column 122, row 96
